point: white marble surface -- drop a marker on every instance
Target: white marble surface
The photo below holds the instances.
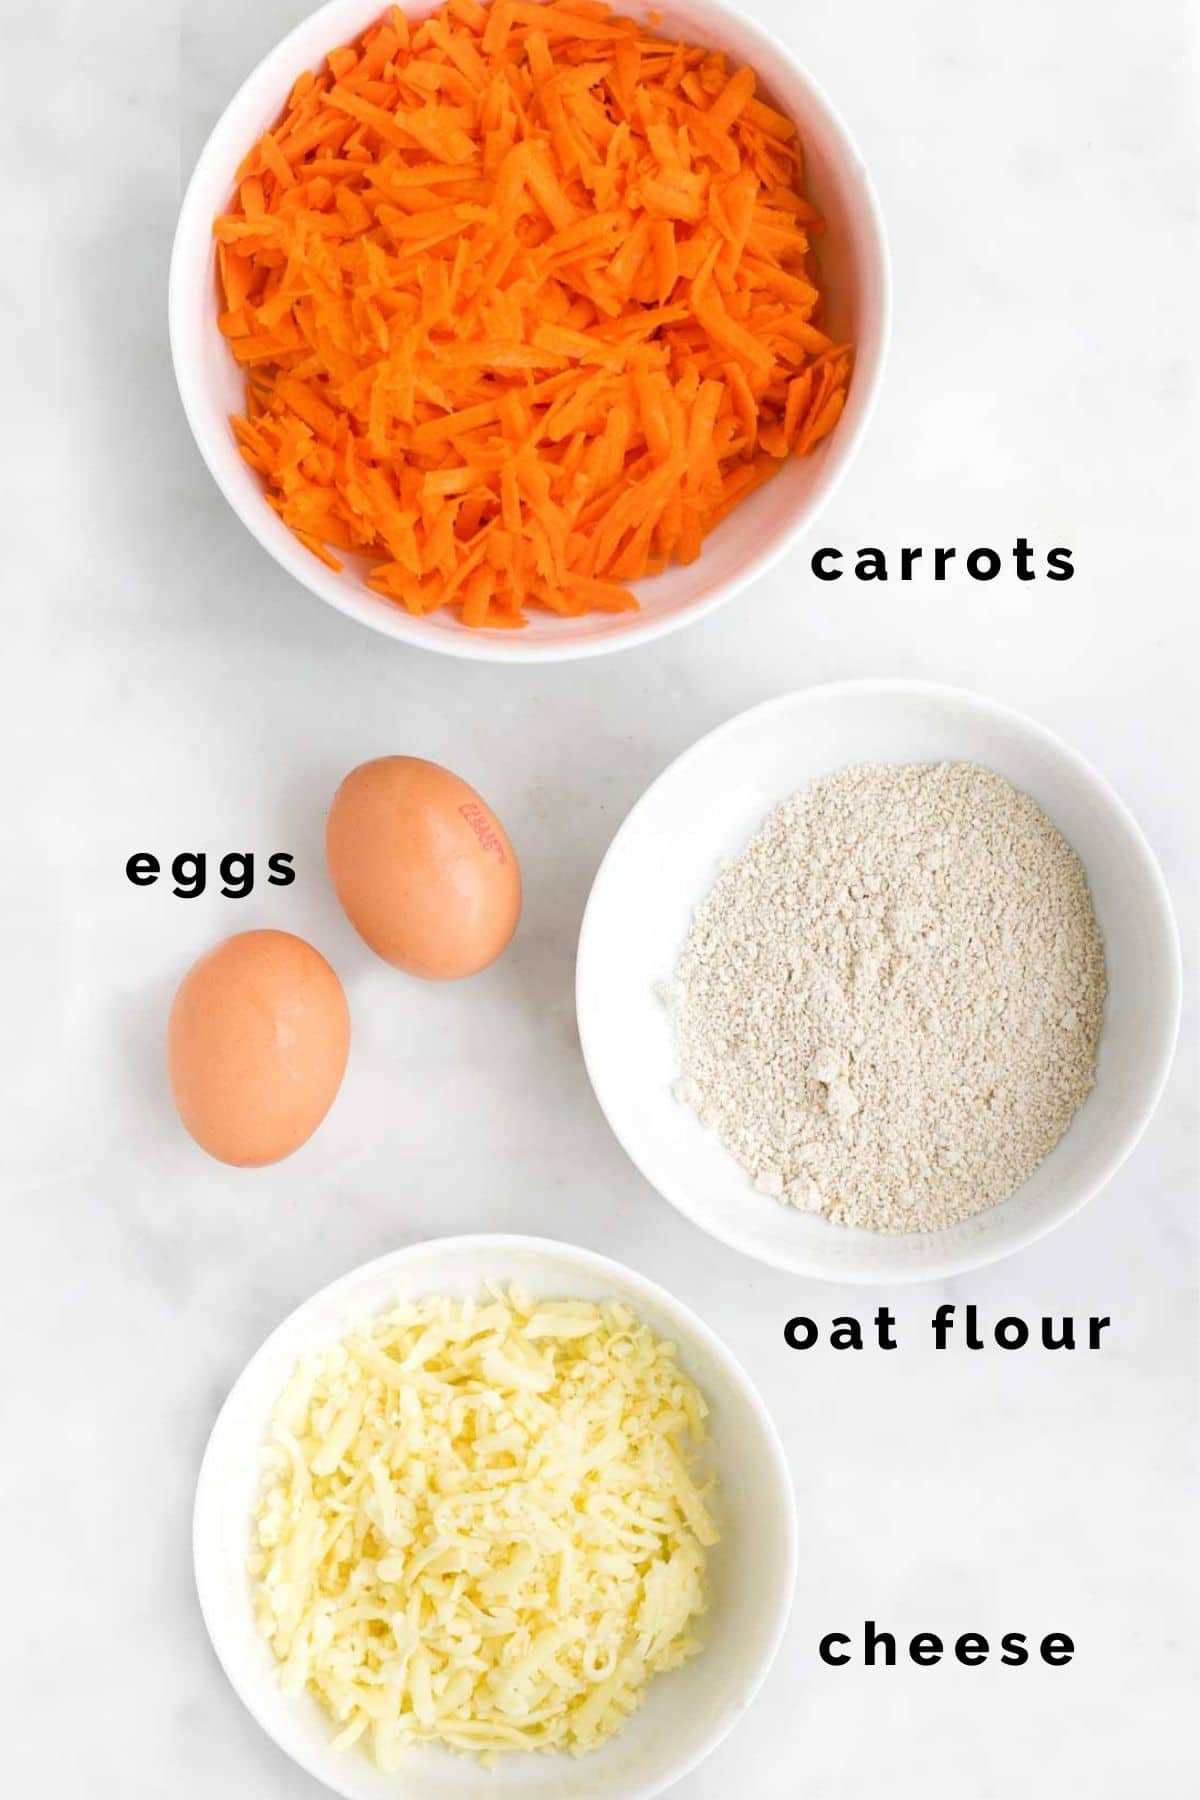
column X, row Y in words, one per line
column 167, row 688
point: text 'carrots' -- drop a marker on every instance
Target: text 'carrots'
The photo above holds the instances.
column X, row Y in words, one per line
column 525, row 307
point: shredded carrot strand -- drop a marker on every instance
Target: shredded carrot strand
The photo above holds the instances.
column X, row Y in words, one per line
column 526, row 306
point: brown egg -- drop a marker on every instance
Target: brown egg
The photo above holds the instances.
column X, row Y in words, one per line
column 423, row 867
column 256, row 1046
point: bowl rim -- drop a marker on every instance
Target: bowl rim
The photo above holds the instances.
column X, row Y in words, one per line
column 937, row 1268
column 477, row 646
column 209, row 1501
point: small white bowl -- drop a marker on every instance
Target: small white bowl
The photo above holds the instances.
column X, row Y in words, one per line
column 706, row 807
column 853, row 259
column 752, row 1570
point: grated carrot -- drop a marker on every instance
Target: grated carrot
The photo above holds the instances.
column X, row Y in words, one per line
column 525, row 304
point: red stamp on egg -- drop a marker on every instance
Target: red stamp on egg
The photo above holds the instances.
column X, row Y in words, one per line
column 484, row 830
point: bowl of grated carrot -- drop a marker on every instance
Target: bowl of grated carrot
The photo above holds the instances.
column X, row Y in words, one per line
column 532, row 330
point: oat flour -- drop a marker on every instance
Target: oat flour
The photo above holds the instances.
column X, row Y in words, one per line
column 888, row 1006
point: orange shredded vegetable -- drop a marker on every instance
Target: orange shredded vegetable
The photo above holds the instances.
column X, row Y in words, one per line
column 524, row 301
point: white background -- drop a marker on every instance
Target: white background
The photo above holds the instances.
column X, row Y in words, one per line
column 169, row 689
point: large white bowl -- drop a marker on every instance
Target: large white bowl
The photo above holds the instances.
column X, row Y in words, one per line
column 706, row 807
column 687, row 1712
column 854, row 263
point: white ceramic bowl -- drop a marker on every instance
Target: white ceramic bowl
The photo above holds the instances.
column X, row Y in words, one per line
column 706, row 807
column 853, row 259
column 685, row 1713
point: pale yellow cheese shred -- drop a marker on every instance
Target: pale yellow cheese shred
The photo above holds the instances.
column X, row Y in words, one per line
column 484, row 1524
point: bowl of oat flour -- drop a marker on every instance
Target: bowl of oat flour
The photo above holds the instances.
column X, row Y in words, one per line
column 878, row 982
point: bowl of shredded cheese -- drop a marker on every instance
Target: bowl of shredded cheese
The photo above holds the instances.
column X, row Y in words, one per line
column 529, row 330
column 494, row 1515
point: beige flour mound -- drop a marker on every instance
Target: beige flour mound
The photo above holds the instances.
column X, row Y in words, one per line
column 888, row 1006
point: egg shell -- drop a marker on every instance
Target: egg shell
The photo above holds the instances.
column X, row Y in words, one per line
column 257, row 1043
column 423, row 867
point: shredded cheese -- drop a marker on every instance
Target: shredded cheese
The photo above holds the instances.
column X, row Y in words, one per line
column 484, row 1524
